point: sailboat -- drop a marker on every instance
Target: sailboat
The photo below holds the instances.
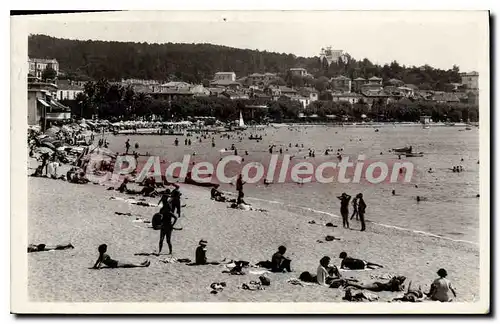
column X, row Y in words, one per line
column 241, row 124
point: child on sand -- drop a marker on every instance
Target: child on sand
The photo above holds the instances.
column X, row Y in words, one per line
column 106, row 260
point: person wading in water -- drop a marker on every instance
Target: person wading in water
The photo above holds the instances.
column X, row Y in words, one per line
column 344, row 209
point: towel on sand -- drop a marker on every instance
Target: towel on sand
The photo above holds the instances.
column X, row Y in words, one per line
column 259, row 272
column 298, row 282
column 134, row 202
column 174, row 260
column 366, row 269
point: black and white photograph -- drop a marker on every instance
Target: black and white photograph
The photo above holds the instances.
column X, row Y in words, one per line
column 250, row 162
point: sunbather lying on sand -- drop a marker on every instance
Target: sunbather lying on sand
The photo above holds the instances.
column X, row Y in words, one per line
column 395, row 284
column 43, row 247
column 359, row 297
column 411, row 295
column 356, row 264
column 246, row 207
column 106, row 260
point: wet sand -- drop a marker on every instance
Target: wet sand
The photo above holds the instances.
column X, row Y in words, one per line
column 60, row 212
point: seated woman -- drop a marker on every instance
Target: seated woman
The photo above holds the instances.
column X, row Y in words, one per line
column 441, row 288
column 356, row 264
column 279, row 262
column 201, row 255
column 43, row 247
column 106, row 260
column 329, row 276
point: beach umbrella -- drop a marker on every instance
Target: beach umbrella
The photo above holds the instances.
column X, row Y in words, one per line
column 363, row 116
column 44, row 150
column 48, row 145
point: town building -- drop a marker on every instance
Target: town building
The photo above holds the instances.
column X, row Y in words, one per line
column 68, row 91
column 298, row 71
column 234, row 95
column 227, row 84
column 341, row 83
column 351, row 97
column 43, row 108
column 225, row 76
column 38, row 65
column 261, row 78
column 140, row 81
column 176, row 85
column 445, row 97
column 375, row 79
column 304, row 101
column 357, row 83
column 470, row 80
column 332, row 55
column 310, row 93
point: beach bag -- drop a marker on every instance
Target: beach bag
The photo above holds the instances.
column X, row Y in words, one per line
column 156, row 221
column 265, row 281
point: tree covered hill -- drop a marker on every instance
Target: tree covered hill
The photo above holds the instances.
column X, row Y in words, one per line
column 189, row 62
column 198, row 62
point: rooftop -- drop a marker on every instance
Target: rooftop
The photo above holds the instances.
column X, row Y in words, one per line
column 224, row 82
column 341, row 78
column 66, row 86
column 41, row 60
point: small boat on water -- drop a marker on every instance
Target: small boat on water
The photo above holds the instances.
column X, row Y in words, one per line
column 468, row 128
column 251, row 137
column 426, row 127
column 421, row 154
column 403, row 150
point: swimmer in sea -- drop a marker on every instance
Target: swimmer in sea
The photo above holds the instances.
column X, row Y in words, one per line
column 106, row 260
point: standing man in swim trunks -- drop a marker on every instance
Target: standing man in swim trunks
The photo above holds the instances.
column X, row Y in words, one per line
column 167, row 227
column 344, row 209
column 361, row 211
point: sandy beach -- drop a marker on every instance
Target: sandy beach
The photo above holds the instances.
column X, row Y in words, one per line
column 61, row 212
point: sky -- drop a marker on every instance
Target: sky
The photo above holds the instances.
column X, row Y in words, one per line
column 440, row 39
